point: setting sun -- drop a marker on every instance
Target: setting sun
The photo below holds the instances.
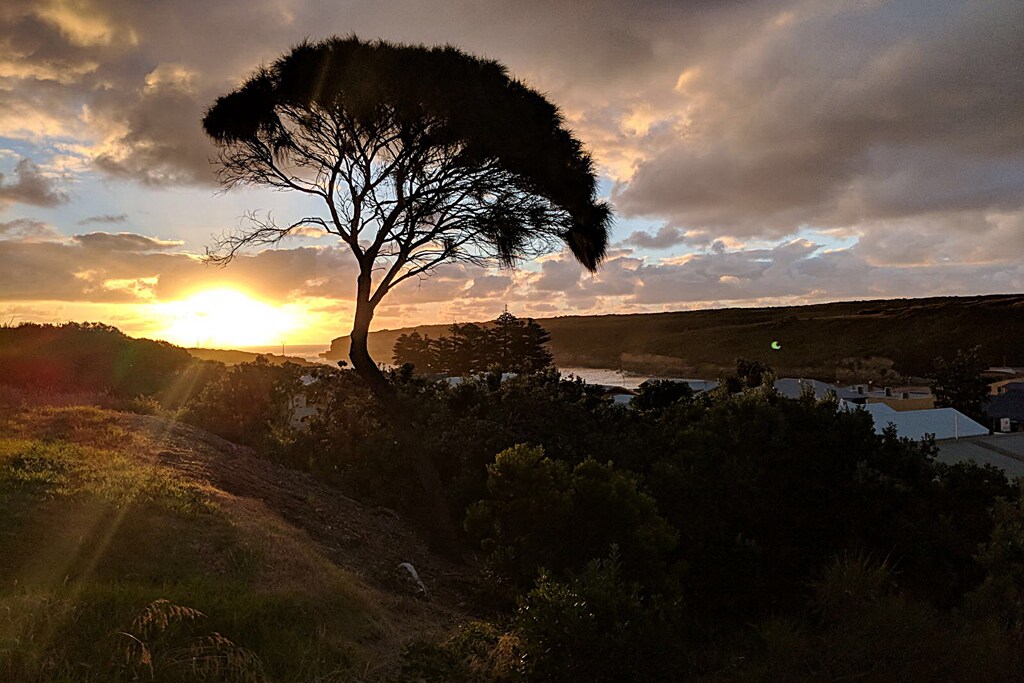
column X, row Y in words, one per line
column 225, row 318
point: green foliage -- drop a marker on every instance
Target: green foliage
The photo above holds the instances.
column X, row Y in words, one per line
column 57, row 468
column 1001, row 595
column 101, row 550
column 165, row 640
column 250, row 403
column 959, row 383
column 477, row 652
column 752, row 373
column 510, row 344
column 541, row 513
column 725, row 507
column 595, row 626
column 861, row 627
column 659, row 394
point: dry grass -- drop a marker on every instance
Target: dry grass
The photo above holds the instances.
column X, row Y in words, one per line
column 122, row 558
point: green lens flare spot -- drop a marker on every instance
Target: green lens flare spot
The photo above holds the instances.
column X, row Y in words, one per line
column 776, row 345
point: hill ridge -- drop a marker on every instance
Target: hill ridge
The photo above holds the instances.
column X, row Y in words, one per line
column 817, row 339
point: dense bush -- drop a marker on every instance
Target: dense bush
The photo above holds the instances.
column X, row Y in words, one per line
column 542, row 513
column 249, row 403
column 89, row 357
column 595, row 626
column 860, row 626
column 726, row 509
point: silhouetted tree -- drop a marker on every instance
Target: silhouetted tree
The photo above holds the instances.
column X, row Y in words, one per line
column 959, row 384
column 751, row 372
column 512, row 345
column 521, row 344
column 416, row 350
column 658, row 394
column 420, row 156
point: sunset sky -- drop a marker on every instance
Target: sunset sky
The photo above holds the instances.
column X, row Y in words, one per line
column 757, row 153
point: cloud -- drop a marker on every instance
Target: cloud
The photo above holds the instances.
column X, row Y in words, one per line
column 27, row 230
column 488, row 286
column 839, row 117
column 893, row 127
column 310, row 231
column 104, row 219
column 30, row 186
column 666, row 237
column 558, row 275
column 124, row 241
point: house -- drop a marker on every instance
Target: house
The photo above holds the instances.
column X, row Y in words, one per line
column 942, row 423
column 997, row 388
column 300, row 407
column 1005, row 370
column 897, row 398
column 1006, row 410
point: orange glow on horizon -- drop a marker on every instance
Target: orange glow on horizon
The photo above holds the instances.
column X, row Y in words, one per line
column 225, row 317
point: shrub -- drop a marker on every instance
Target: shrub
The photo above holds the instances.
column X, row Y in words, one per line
column 541, row 513
column 595, row 627
column 246, row 402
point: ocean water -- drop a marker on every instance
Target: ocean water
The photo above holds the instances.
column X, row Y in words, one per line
column 309, row 352
column 606, row 376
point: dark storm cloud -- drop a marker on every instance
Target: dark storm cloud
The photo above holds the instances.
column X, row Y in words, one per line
column 796, row 271
column 486, row 286
column 747, row 117
column 836, row 117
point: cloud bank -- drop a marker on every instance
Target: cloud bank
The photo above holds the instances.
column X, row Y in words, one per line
column 760, row 151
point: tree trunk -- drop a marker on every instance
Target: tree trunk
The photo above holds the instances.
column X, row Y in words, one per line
column 438, row 523
column 363, row 364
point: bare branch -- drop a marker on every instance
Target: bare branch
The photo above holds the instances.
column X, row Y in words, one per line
column 263, row 232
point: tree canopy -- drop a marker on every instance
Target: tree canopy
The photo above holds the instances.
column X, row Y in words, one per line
column 421, row 155
column 959, row 383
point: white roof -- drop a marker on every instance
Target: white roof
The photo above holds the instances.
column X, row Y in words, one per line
column 1005, row 451
column 944, row 423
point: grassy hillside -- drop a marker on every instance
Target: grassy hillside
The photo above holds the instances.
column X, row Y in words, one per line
column 134, row 548
column 825, row 339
